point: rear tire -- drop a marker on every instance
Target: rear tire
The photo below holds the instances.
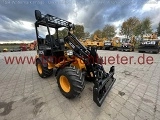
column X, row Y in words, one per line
column 43, row 72
column 156, row 52
column 70, row 82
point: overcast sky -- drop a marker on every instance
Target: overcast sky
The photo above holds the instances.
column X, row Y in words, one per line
column 17, row 16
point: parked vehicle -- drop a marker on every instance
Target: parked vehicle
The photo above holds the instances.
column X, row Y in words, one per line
column 150, row 43
column 77, row 64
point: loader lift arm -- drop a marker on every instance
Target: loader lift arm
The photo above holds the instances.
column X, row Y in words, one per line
column 102, row 81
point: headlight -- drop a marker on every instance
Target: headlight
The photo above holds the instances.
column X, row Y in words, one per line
column 153, row 42
column 69, row 52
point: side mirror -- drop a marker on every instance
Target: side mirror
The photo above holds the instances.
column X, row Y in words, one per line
column 38, row 15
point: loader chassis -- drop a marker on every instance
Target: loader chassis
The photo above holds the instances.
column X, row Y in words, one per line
column 149, row 46
column 73, row 63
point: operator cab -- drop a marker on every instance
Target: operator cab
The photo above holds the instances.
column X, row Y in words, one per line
column 125, row 40
column 49, row 45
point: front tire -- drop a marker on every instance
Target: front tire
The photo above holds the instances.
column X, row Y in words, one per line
column 43, row 72
column 70, row 82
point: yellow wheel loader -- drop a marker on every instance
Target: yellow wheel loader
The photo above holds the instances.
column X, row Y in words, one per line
column 99, row 42
column 73, row 65
column 95, row 42
column 90, row 43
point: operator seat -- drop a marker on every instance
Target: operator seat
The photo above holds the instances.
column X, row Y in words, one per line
column 59, row 43
column 48, row 40
column 57, row 47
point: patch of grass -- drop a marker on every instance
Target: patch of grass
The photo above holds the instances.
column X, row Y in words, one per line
column 9, row 46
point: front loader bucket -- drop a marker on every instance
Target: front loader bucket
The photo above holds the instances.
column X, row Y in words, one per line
column 102, row 87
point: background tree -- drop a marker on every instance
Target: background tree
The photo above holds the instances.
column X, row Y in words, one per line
column 158, row 29
column 98, row 33
column 124, row 29
column 128, row 26
column 61, row 33
column 138, row 29
column 86, row 34
column 91, row 36
column 109, row 31
column 146, row 26
column 79, row 31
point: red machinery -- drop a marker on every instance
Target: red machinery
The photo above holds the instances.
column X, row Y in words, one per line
column 23, row 46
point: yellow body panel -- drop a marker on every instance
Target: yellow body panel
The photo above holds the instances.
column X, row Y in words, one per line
column 96, row 42
column 50, row 65
column 5, row 50
column 91, row 43
column 60, row 63
column 79, row 64
column 150, row 37
column 115, row 42
column 100, row 44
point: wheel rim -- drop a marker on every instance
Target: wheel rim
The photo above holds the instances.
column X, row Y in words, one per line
column 64, row 83
column 39, row 68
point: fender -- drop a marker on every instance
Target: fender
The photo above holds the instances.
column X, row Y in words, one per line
column 43, row 60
